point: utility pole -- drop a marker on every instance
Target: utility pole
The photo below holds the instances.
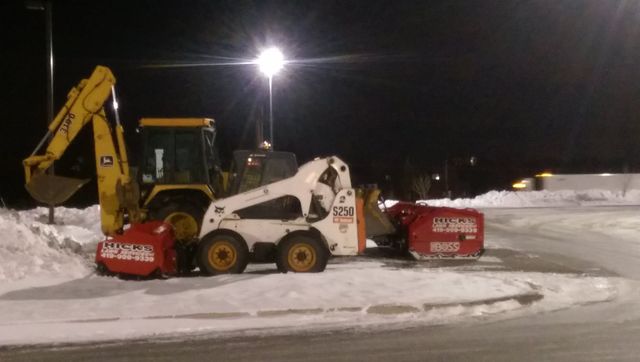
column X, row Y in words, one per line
column 47, row 7
column 446, row 178
column 259, row 132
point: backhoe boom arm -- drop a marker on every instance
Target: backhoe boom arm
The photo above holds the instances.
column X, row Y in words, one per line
column 83, row 101
column 117, row 192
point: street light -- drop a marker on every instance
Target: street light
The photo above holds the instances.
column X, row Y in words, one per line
column 270, row 62
column 47, row 7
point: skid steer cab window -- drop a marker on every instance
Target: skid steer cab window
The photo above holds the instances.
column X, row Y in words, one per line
column 252, row 169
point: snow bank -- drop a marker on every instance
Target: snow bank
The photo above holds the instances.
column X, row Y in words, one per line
column 29, row 247
column 541, row 199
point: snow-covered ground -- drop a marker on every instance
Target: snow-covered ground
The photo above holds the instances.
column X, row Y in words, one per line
column 96, row 308
column 48, row 292
column 543, row 199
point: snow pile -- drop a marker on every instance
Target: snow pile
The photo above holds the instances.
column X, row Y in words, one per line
column 29, row 247
column 542, row 199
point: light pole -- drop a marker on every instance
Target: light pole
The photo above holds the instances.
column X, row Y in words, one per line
column 270, row 62
column 47, row 7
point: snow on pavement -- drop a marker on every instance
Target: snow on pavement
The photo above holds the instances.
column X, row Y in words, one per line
column 356, row 285
column 100, row 308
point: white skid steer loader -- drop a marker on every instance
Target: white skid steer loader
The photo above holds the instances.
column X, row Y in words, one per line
column 303, row 219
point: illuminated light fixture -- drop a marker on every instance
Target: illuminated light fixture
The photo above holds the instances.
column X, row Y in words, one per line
column 545, row 174
column 265, row 146
column 519, row 185
column 270, row 62
column 606, row 174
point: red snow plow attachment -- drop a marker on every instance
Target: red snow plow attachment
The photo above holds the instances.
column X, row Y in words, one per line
column 141, row 250
column 439, row 232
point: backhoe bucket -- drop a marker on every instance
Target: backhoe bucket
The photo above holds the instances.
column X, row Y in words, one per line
column 53, row 190
column 377, row 223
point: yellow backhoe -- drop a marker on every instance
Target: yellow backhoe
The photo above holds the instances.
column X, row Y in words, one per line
column 178, row 176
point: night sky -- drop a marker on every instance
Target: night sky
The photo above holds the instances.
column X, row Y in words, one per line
column 393, row 87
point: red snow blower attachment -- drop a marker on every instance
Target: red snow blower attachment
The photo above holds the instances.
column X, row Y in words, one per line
column 438, row 232
column 141, row 250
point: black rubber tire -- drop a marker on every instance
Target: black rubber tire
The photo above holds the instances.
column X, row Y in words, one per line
column 186, row 257
column 102, row 270
column 216, row 249
column 305, row 248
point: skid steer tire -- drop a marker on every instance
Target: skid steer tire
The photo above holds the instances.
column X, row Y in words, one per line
column 222, row 254
column 302, row 253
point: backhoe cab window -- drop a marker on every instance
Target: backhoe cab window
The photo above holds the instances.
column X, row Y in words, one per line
column 173, row 156
column 157, row 157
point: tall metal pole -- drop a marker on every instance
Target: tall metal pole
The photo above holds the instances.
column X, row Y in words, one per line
column 260, row 130
column 48, row 10
column 271, row 112
column 446, row 178
column 47, row 7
